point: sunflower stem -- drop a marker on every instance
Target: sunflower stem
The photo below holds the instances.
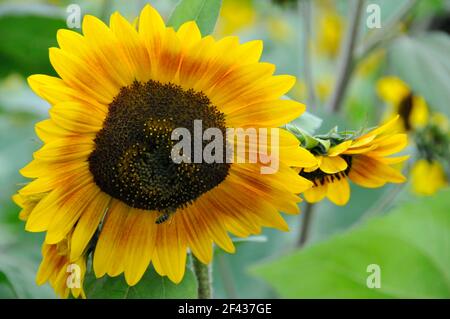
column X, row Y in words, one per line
column 387, row 32
column 306, row 224
column 304, row 10
column 203, row 275
column 346, row 61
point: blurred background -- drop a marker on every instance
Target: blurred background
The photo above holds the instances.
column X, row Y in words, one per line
column 404, row 228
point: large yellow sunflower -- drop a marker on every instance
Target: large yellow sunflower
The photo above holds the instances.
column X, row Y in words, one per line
column 105, row 166
column 364, row 160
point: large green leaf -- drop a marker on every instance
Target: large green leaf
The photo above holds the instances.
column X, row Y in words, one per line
column 410, row 245
column 25, row 43
column 204, row 12
column 424, row 63
column 151, row 286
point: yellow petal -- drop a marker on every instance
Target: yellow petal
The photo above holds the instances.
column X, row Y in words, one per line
column 189, row 34
column 339, row 191
column 77, row 118
column 140, row 244
column 340, row 148
column 266, row 114
column 171, row 250
column 133, row 47
column 83, row 77
column 110, row 248
column 66, row 149
column 389, row 145
column 332, row 165
column 197, row 236
column 88, row 224
column 392, row 89
column 419, row 114
column 428, row 177
column 316, row 193
column 69, row 211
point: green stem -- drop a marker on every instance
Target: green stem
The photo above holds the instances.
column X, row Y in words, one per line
column 387, row 32
column 346, row 57
column 306, row 224
column 203, row 275
column 304, row 8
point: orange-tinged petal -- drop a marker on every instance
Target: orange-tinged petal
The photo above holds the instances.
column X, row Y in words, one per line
column 88, row 224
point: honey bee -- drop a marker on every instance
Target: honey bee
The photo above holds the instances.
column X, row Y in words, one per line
column 164, row 217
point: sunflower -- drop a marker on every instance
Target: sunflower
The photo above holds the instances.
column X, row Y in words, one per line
column 429, row 172
column 104, row 180
column 363, row 160
column 412, row 108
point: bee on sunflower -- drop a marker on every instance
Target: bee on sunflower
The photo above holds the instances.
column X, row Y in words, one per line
column 104, row 185
column 363, row 159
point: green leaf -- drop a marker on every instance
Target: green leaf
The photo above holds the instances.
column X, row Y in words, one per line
column 410, row 245
column 307, row 122
column 203, row 12
column 151, row 286
column 17, row 276
column 424, row 63
column 304, row 127
column 25, row 43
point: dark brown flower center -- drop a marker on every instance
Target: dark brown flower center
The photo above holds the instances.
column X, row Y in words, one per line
column 405, row 109
column 132, row 157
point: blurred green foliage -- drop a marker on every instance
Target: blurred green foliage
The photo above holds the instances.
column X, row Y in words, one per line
column 25, row 43
column 203, row 12
column 410, row 246
column 424, row 63
column 151, row 285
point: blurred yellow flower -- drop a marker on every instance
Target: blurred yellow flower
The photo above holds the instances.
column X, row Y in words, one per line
column 370, row 63
column 330, row 29
column 364, row 160
column 427, row 177
column 324, row 87
column 235, row 15
column 279, row 29
column 413, row 109
column 299, row 91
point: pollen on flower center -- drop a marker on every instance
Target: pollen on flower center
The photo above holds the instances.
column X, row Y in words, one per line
column 132, row 156
column 319, row 177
